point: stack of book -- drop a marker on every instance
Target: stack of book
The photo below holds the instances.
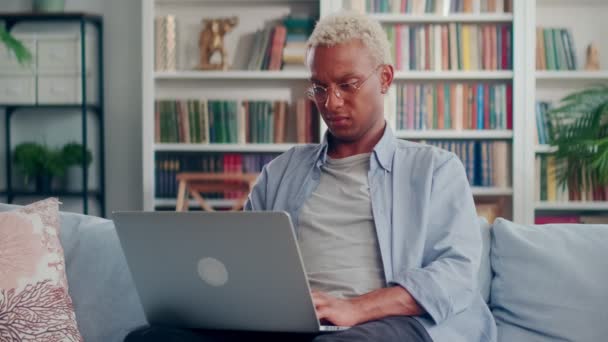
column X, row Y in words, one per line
column 234, row 122
column 454, row 106
column 453, row 46
column 555, row 49
column 442, row 7
column 487, row 163
column 584, row 189
column 544, row 128
column 169, row 164
column 299, row 29
column 268, row 44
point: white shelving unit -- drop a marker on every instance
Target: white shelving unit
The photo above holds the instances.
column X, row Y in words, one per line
column 587, row 21
column 601, row 75
column 232, row 75
column 289, row 85
column 223, row 147
column 571, row 206
column 387, row 18
column 452, row 134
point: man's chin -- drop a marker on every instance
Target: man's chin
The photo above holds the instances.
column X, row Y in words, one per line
column 343, row 135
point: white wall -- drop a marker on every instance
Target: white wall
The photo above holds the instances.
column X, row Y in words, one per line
column 122, row 58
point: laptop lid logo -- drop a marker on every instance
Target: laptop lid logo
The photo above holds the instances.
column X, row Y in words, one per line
column 212, row 272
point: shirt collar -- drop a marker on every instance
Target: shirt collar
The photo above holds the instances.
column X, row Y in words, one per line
column 383, row 151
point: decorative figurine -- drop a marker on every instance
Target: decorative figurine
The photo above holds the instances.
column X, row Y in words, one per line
column 211, row 40
column 593, row 57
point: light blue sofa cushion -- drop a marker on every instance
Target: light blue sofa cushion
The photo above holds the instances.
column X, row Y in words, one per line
column 484, row 276
column 550, row 282
column 106, row 302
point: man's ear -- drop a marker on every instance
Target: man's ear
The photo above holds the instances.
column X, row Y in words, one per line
column 387, row 73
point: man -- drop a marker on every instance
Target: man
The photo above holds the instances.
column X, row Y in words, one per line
column 387, row 228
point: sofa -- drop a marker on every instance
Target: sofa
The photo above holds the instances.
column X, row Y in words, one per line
column 542, row 283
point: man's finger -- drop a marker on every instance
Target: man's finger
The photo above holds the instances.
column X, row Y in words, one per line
column 319, row 303
column 319, row 299
column 322, row 313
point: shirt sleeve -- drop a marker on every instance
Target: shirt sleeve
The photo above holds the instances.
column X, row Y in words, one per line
column 446, row 282
column 257, row 197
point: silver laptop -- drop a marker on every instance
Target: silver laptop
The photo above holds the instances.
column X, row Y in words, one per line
column 229, row 271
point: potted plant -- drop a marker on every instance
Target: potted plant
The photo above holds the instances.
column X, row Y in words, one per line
column 12, row 44
column 48, row 5
column 38, row 162
column 73, row 158
column 580, row 126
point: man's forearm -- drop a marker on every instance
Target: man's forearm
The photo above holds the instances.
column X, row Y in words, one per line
column 391, row 301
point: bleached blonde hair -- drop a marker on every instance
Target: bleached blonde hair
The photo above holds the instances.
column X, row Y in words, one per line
column 346, row 26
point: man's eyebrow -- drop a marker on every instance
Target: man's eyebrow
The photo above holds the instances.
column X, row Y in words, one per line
column 340, row 79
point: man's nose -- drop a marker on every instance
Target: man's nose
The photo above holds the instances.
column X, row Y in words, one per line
column 334, row 99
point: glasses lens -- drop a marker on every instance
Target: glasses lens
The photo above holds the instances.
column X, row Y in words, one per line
column 319, row 93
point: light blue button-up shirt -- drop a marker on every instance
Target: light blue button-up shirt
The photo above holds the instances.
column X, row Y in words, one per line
column 425, row 221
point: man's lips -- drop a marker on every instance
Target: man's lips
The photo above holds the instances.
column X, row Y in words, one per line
column 337, row 118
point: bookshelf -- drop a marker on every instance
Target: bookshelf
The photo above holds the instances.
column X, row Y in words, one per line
column 586, row 23
column 289, row 85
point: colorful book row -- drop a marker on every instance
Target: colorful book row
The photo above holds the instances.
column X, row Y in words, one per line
column 487, row 163
column 548, row 189
column 231, row 122
column 454, row 106
column 453, row 46
column 169, row 164
column 441, row 7
column 586, row 219
column 555, row 49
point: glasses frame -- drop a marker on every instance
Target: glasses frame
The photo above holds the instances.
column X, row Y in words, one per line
column 356, row 85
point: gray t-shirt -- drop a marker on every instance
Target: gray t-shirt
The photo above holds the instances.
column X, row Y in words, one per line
column 337, row 236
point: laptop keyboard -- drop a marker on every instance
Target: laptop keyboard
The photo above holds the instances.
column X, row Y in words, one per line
column 330, row 328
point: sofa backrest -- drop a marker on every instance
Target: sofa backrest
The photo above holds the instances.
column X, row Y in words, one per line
column 550, row 282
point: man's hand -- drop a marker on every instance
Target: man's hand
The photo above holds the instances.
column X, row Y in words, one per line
column 391, row 301
column 342, row 312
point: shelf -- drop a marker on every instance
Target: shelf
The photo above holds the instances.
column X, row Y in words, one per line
column 48, row 106
column 553, row 3
column 453, row 75
column 304, row 75
column 54, row 193
column 233, row 75
column 545, row 149
column 491, row 191
column 223, row 147
column 572, row 75
column 171, row 202
column 434, row 18
column 572, row 206
column 58, row 17
column 452, row 134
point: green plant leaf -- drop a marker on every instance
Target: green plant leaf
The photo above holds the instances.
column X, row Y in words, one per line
column 22, row 54
column 580, row 126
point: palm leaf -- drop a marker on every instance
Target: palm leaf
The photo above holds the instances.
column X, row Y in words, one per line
column 580, row 126
column 20, row 51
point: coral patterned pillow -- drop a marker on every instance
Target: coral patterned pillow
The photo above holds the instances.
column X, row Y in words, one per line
column 34, row 300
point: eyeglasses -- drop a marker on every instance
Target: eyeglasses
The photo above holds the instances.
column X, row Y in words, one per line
column 320, row 94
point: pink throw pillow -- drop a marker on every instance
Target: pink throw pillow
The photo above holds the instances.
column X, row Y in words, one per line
column 34, row 301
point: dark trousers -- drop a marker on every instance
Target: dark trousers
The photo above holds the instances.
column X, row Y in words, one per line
column 398, row 328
